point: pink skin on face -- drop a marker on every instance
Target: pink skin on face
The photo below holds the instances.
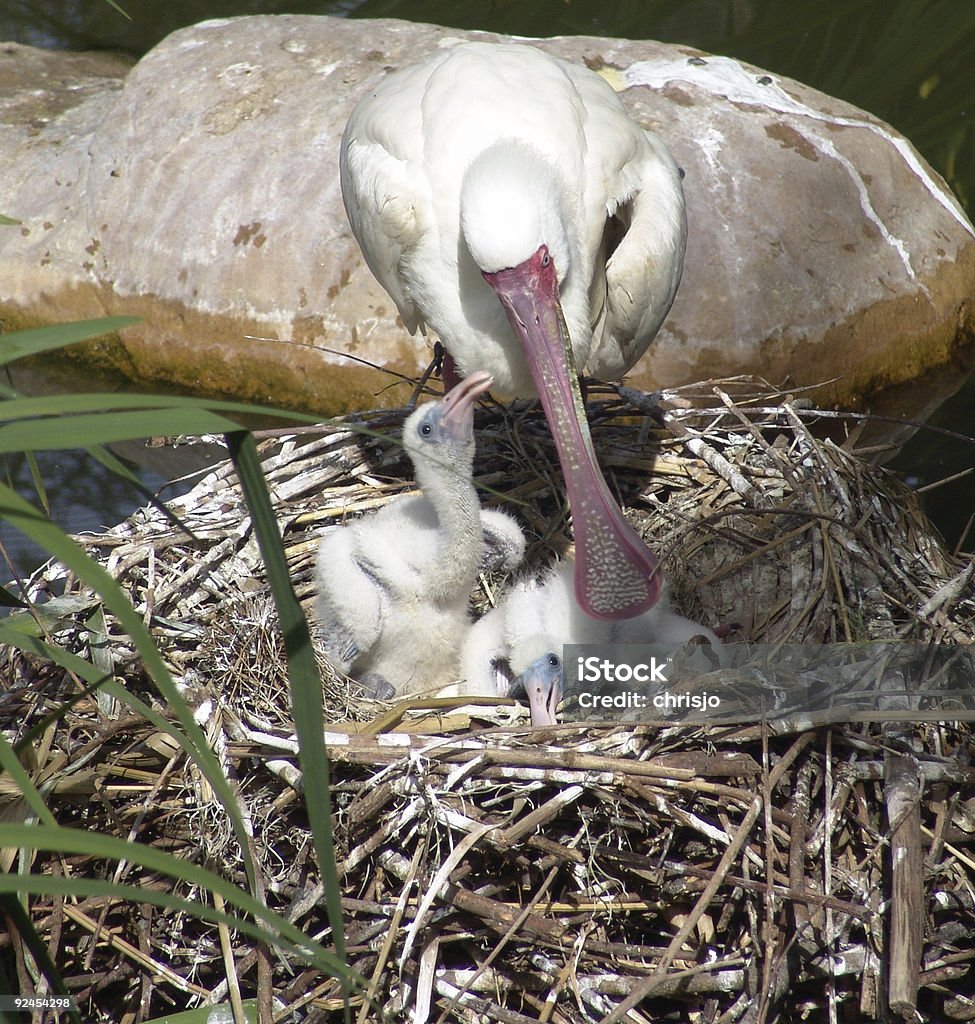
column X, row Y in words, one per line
column 616, row 574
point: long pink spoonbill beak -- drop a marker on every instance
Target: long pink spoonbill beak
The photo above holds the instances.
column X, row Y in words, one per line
column 616, row 574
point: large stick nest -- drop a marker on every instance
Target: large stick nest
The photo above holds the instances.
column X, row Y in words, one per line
column 722, row 872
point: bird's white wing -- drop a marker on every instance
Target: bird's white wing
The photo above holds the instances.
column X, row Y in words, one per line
column 352, row 604
column 383, row 201
column 644, row 270
column 504, row 541
column 635, row 227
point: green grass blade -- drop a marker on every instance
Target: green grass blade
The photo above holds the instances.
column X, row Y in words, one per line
column 110, row 848
column 51, row 617
column 95, row 679
column 83, row 431
column 112, row 3
column 36, row 340
column 18, row 407
column 35, row 475
column 27, row 790
column 7, row 987
column 99, row 454
column 8, row 600
column 28, row 520
column 38, row 950
column 303, row 675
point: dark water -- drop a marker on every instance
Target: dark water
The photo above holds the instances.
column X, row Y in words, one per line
column 908, row 61
column 76, row 490
column 79, row 493
column 930, row 458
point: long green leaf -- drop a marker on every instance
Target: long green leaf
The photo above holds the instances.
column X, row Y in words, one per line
column 50, row 617
column 95, row 678
column 100, row 454
column 56, row 885
column 110, row 848
column 38, row 950
column 12, row 766
column 8, row 600
column 112, row 3
column 7, row 986
column 93, row 844
column 35, row 340
column 19, row 407
column 12, row 907
column 304, row 678
column 35, row 475
column 28, row 520
column 84, row 431
column 91, row 675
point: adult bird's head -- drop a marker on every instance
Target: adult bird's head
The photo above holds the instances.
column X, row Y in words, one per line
column 512, row 203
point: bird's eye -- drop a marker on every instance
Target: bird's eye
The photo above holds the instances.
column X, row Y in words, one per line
column 546, row 260
column 554, row 661
column 426, row 429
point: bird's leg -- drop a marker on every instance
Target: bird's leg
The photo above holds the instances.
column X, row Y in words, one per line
column 450, row 376
column 433, row 367
column 641, row 400
column 438, row 353
column 645, row 403
column 503, row 676
column 377, row 687
column 339, row 645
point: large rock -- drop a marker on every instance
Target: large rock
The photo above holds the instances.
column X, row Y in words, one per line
column 204, row 196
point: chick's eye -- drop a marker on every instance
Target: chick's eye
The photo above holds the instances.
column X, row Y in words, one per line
column 554, row 661
column 426, row 429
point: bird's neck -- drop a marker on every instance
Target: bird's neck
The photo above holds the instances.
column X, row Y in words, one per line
column 460, row 536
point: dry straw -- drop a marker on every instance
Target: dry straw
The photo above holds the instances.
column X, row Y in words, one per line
column 759, row 869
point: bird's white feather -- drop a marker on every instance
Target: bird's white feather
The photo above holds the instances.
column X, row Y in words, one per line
column 405, row 154
column 506, row 199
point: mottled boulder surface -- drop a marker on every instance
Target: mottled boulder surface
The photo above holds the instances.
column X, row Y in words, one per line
column 201, row 192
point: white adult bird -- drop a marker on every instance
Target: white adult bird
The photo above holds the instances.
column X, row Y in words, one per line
column 495, row 172
column 394, row 588
column 517, row 646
